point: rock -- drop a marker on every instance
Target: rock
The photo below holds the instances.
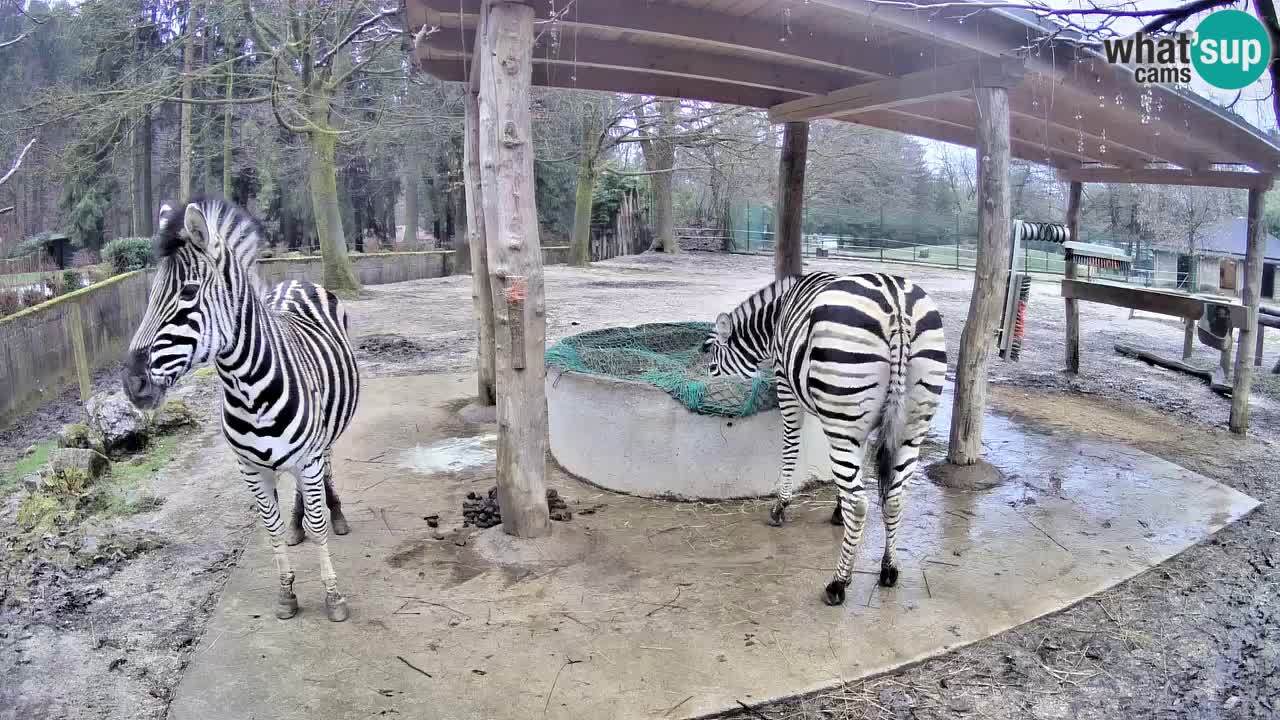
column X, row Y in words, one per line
column 31, row 450
column 122, row 427
column 72, row 470
column 78, row 435
column 32, row 481
column 172, row 415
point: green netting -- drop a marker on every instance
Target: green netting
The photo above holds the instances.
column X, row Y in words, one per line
column 668, row 356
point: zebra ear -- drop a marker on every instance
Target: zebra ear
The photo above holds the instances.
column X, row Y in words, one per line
column 724, row 326
column 197, row 228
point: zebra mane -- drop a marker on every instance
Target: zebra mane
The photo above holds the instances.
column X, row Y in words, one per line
column 761, row 299
column 239, row 232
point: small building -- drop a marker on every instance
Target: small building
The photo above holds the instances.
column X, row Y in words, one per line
column 1217, row 265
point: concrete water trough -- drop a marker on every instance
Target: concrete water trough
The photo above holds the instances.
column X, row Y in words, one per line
column 634, row 437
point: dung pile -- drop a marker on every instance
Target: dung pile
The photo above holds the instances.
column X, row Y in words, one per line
column 482, row 511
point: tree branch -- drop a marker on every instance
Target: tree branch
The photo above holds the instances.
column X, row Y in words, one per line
column 17, row 163
column 14, row 41
column 355, row 32
column 1175, row 16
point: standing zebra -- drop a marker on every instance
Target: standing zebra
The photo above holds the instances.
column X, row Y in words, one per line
column 859, row 352
column 289, row 377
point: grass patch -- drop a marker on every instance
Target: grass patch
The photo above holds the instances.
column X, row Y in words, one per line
column 25, row 466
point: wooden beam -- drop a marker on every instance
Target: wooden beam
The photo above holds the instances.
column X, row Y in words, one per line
column 911, row 88
column 630, row 81
column 1251, row 297
column 989, row 278
column 790, row 225
column 481, row 293
column 959, row 134
column 1170, row 176
column 1139, row 298
column 573, row 52
column 515, row 266
column 709, row 29
column 1074, row 193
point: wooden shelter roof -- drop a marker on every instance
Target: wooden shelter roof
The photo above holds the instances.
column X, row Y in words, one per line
column 909, row 70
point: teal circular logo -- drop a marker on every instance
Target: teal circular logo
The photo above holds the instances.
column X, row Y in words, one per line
column 1231, row 49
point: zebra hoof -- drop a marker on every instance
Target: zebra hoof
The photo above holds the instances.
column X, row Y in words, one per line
column 335, row 606
column 777, row 514
column 286, row 604
column 836, row 517
column 888, row 575
column 834, row 594
column 294, row 535
column 339, row 524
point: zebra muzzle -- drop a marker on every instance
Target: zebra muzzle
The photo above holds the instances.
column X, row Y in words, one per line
column 136, row 378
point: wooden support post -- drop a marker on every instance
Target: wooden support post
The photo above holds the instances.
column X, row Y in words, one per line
column 1073, row 307
column 989, row 278
column 1257, row 350
column 74, row 324
column 1188, row 338
column 1250, row 296
column 515, row 266
column 791, row 165
column 481, row 294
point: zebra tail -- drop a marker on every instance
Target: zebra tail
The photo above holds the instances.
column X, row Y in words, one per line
column 893, row 417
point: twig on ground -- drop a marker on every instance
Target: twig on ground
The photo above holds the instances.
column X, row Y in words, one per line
column 555, row 680
column 666, row 604
column 752, row 710
column 676, row 706
column 412, row 666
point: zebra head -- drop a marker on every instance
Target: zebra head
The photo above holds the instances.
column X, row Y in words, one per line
column 730, row 351
column 204, row 264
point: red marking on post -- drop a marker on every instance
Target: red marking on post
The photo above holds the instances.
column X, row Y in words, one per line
column 517, row 290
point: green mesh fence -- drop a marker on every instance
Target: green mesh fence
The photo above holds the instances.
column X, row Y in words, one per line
column 667, row 356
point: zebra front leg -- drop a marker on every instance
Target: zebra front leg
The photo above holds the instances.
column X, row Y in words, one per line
column 790, row 410
column 336, row 519
column 316, row 516
column 846, row 461
column 262, row 483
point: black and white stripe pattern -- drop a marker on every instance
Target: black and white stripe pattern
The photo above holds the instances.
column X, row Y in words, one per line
column 860, row 353
column 289, row 376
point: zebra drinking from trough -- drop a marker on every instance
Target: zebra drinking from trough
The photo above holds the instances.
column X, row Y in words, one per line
column 289, row 377
column 860, row 353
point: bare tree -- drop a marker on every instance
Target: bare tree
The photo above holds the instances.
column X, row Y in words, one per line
column 16, row 163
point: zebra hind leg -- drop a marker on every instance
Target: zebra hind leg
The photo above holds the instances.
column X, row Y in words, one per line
column 262, row 484
column 295, row 533
column 846, row 461
column 336, row 519
column 316, row 517
column 791, row 419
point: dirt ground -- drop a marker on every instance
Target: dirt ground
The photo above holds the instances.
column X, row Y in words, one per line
column 1193, row 638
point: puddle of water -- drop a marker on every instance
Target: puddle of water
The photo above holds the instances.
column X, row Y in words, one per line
column 451, row 455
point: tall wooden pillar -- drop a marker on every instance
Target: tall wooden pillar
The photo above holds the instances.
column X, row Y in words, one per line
column 1251, row 296
column 989, row 278
column 481, row 295
column 789, row 248
column 515, row 265
column 1073, row 308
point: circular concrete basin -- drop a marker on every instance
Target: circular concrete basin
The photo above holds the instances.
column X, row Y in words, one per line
column 634, row 438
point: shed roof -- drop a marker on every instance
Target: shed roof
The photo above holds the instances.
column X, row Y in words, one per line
column 1071, row 109
column 1231, row 237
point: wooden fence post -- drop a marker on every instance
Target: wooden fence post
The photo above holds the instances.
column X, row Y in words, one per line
column 1069, row 271
column 990, row 276
column 74, row 323
column 515, row 266
column 1251, row 296
column 791, row 166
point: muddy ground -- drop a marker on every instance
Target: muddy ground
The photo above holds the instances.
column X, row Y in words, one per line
column 1196, row 637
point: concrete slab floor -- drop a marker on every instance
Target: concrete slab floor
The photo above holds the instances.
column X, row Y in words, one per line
column 649, row 609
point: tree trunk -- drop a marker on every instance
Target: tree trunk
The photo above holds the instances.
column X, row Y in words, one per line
column 788, row 252
column 226, row 136
column 989, row 278
column 1250, row 296
column 410, row 182
column 323, row 181
column 660, row 159
column 481, row 295
column 515, row 266
column 149, row 209
column 580, row 252
column 186, row 152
